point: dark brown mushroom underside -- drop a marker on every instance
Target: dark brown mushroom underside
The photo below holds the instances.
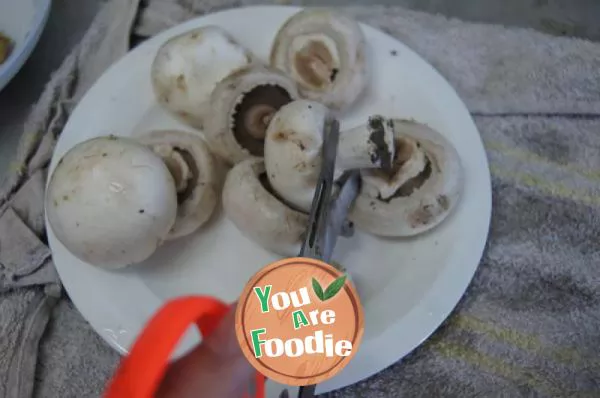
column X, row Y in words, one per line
column 253, row 114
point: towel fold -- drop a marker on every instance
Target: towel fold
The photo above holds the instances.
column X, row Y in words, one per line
column 29, row 284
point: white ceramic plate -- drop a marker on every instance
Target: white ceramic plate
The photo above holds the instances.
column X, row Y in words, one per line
column 22, row 21
column 408, row 287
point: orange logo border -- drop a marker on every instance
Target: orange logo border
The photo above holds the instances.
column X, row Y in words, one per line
column 244, row 337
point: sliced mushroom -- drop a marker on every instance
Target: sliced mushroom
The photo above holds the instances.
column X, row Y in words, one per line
column 242, row 107
column 293, row 149
column 195, row 173
column 324, row 52
column 111, row 202
column 188, row 66
column 251, row 204
column 420, row 192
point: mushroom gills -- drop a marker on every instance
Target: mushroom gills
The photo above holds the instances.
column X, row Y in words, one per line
column 195, row 173
column 243, row 106
column 258, row 213
column 293, row 149
column 324, row 52
column 422, row 188
column 254, row 113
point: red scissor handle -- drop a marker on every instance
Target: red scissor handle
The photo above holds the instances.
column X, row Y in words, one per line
column 141, row 372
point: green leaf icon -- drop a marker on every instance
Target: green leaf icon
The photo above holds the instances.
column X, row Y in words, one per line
column 334, row 288
column 318, row 289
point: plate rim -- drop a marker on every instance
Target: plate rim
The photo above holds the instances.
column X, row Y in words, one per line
column 431, row 323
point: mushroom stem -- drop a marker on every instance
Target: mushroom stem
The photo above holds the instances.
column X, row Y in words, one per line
column 257, row 119
column 317, row 60
column 267, row 119
column 408, row 163
column 372, row 147
column 321, row 69
column 176, row 164
column 293, row 149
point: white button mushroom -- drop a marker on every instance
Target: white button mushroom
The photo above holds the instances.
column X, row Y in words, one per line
column 187, row 67
column 242, row 107
column 421, row 191
column 253, row 207
column 111, row 202
column 293, row 149
column 196, row 175
column 324, row 52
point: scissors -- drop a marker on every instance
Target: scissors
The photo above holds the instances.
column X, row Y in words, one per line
column 330, row 206
column 140, row 373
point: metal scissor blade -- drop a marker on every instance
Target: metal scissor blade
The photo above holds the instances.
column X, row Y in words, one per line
column 316, row 240
column 317, row 223
column 338, row 212
column 337, row 216
column 327, row 217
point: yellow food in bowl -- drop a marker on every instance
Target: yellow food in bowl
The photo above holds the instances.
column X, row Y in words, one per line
column 5, row 47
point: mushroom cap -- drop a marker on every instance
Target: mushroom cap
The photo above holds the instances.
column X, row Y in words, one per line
column 242, row 106
column 259, row 214
column 196, row 173
column 324, row 52
column 424, row 189
column 111, row 202
column 293, row 151
column 187, row 67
